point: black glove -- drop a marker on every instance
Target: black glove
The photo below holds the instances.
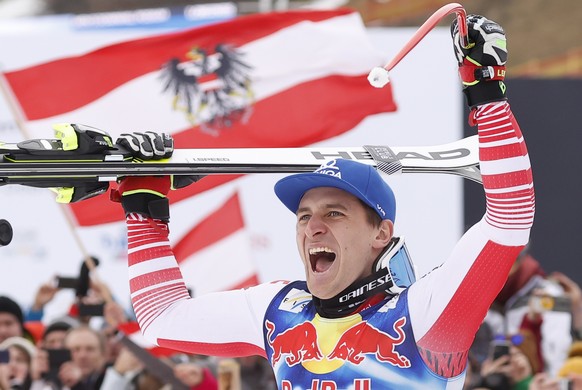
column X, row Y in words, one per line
column 482, row 64
column 148, row 145
column 76, row 192
column 75, row 139
column 146, row 195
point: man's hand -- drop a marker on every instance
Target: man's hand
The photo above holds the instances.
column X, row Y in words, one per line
column 70, row 374
column 487, row 46
column 45, row 293
column 126, row 361
column 148, row 145
column 147, row 195
column 482, row 63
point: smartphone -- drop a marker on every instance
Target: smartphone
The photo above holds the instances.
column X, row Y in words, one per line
column 4, row 356
column 499, row 348
column 91, row 310
column 67, row 282
column 566, row 384
column 57, row 357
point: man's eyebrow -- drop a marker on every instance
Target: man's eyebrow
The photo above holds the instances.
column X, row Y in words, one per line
column 327, row 206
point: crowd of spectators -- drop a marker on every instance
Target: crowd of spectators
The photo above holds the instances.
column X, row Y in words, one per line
column 77, row 352
column 531, row 339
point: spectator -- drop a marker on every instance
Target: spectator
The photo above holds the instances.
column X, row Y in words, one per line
column 574, row 293
column 11, row 320
column 54, row 334
column 528, row 279
column 129, row 373
column 87, row 365
column 85, row 289
column 125, row 371
column 122, row 375
column 256, row 374
column 513, row 371
column 18, row 371
column 196, row 377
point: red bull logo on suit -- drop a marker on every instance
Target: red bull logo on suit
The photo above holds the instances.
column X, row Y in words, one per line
column 301, row 344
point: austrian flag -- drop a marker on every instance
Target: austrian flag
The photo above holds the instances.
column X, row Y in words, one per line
column 220, row 235
column 284, row 79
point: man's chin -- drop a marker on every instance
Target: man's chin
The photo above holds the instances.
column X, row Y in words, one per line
column 321, row 291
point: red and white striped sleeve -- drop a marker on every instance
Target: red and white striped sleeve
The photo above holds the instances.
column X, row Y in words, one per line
column 218, row 324
column 449, row 304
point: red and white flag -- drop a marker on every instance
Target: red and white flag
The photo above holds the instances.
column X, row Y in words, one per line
column 285, row 79
column 216, row 254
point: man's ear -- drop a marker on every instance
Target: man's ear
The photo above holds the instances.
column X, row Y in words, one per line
column 385, row 232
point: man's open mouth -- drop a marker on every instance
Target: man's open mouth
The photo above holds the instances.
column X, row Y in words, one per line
column 321, row 259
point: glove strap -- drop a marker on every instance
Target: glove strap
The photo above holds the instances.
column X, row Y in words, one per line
column 146, row 204
column 485, row 92
column 144, row 195
column 472, row 75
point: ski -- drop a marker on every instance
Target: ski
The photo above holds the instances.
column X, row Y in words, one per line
column 44, row 161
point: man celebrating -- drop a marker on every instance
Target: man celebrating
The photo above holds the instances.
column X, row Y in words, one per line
column 360, row 320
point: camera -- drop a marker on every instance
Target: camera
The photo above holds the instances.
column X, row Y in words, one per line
column 499, row 348
column 66, row 282
column 5, row 232
column 94, row 310
column 57, row 357
column 4, row 356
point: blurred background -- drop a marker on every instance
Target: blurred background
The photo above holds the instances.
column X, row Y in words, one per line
column 545, row 36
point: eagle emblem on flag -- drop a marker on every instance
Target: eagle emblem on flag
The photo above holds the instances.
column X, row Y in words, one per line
column 213, row 90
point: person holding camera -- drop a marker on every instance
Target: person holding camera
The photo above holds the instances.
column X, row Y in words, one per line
column 16, row 354
column 511, row 364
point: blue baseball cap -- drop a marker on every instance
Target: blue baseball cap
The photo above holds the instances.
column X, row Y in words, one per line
column 361, row 180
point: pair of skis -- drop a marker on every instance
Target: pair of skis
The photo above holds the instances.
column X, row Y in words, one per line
column 45, row 161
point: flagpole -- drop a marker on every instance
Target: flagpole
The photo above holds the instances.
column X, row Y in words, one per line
column 19, row 118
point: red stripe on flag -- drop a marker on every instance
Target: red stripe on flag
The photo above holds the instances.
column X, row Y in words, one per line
column 215, row 227
column 67, row 77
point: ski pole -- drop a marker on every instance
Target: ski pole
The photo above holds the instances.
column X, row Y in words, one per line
column 379, row 76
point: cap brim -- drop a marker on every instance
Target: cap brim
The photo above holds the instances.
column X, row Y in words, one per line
column 291, row 189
